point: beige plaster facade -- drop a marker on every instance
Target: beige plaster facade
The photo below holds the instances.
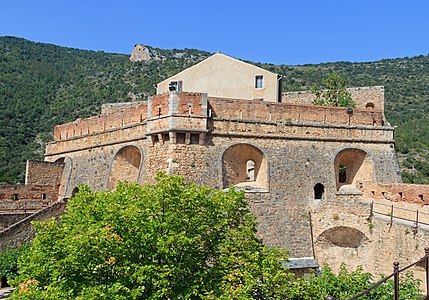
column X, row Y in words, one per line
column 223, row 76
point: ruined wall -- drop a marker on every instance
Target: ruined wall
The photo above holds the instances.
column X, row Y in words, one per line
column 397, row 192
column 21, row 233
column 363, row 96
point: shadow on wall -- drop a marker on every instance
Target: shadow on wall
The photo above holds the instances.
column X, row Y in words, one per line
column 125, row 166
column 351, row 166
column 244, row 165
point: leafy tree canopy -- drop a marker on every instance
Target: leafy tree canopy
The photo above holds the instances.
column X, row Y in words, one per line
column 333, row 92
column 171, row 240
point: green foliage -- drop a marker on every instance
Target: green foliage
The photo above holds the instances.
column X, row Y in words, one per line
column 333, row 92
column 171, row 240
column 9, row 261
column 348, row 284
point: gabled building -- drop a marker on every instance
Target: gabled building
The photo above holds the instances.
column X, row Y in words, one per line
column 223, row 76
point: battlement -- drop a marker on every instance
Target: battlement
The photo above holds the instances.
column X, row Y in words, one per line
column 369, row 97
column 285, row 112
column 111, row 119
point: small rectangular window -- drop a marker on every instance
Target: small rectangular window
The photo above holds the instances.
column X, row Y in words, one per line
column 195, row 138
column 14, row 196
column 259, row 81
column 180, row 138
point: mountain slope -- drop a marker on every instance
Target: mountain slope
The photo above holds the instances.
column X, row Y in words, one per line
column 42, row 85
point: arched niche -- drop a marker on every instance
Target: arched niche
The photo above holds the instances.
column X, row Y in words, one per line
column 353, row 166
column 65, row 191
column 341, row 236
column 125, row 166
column 370, row 106
column 244, row 165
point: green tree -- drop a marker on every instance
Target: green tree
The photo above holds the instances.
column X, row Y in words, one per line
column 171, row 240
column 333, row 92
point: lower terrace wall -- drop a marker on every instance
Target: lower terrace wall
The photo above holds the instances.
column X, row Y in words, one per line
column 345, row 231
column 21, row 233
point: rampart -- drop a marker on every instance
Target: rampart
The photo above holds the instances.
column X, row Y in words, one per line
column 285, row 112
column 108, row 121
column 365, row 97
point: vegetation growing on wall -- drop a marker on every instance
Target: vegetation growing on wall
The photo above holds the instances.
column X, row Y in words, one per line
column 43, row 85
column 333, row 92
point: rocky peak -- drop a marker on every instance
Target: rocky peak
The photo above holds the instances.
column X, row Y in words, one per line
column 143, row 53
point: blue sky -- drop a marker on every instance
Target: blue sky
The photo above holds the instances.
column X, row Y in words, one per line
column 280, row 32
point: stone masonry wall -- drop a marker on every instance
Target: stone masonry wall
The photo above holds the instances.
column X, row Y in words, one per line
column 397, row 192
column 21, row 233
column 281, row 112
column 43, row 173
column 361, row 95
column 298, row 145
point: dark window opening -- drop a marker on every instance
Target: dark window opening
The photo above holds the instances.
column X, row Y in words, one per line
column 342, row 174
column 166, row 137
column 180, row 138
column 195, row 138
column 400, row 195
column 14, row 196
column 319, row 190
column 44, row 196
column 421, row 197
column 155, row 139
column 259, row 81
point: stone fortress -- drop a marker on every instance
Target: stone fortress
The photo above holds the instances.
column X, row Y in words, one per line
column 323, row 182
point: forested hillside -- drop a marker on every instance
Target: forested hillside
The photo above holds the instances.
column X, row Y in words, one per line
column 42, row 85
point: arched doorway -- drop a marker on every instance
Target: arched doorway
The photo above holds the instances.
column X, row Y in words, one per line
column 125, row 166
column 244, row 165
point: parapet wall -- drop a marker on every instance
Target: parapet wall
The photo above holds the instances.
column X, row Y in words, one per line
column 363, row 96
column 284, row 112
column 114, row 120
column 396, row 192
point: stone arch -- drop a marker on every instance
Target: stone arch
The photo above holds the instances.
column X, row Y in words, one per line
column 341, row 236
column 353, row 165
column 65, row 190
column 244, row 165
column 319, row 191
column 125, row 166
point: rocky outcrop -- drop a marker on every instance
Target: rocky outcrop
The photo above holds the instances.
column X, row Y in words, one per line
column 143, row 53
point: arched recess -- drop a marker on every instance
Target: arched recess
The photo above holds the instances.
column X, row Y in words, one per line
column 125, row 166
column 352, row 166
column 65, row 191
column 244, row 165
column 341, row 236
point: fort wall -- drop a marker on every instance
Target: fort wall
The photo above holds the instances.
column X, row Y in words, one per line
column 365, row 97
column 209, row 140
